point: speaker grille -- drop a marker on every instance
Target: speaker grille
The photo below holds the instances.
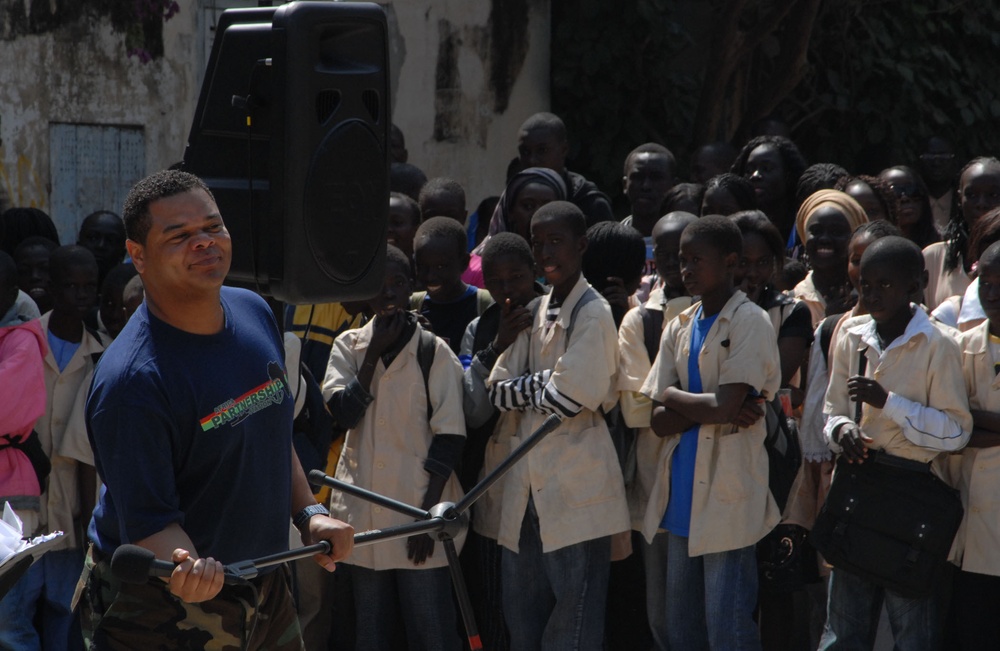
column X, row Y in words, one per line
column 371, row 100
column 327, row 102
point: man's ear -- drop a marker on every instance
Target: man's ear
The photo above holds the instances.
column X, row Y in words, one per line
column 583, row 242
column 732, row 260
column 138, row 255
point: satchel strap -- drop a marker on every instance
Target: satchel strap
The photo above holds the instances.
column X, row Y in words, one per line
column 862, row 367
column 882, row 457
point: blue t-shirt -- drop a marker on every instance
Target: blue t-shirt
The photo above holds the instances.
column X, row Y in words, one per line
column 62, row 350
column 677, row 519
column 194, row 430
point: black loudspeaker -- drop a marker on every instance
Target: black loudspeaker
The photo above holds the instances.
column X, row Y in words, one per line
column 291, row 134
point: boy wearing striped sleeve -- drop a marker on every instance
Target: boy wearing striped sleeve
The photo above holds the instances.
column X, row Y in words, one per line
column 562, row 502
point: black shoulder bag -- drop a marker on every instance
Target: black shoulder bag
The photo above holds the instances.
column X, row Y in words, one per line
column 888, row 520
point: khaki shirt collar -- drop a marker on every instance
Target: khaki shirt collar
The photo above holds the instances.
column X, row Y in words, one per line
column 735, row 301
column 566, row 309
column 919, row 325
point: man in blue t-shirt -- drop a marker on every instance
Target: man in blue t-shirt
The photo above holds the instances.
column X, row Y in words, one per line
column 190, row 419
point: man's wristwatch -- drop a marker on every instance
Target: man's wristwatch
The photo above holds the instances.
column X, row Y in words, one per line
column 301, row 518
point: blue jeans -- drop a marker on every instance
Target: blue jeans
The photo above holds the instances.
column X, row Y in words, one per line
column 853, row 611
column 710, row 598
column 555, row 600
column 655, row 557
column 47, row 589
column 422, row 599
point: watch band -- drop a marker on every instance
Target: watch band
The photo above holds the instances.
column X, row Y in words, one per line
column 302, row 517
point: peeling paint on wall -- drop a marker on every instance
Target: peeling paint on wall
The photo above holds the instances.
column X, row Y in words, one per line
column 447, row 85
column 23, row 185
column 140, row 23
column 501, row 47
column 508, row 28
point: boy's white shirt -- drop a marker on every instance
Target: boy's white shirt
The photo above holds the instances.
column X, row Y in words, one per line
column 63, row 434
column 928, row 430
column 386, row 450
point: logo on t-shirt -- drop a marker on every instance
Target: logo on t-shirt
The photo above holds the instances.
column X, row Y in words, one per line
column 236, row 410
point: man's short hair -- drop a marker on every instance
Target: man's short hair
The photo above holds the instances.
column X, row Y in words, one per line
column 162, row 184
column 504, row 245
column 36, row 240
column 134, row 289
column 443, row 186
column 413, row 206
column 72, row 255
column 613, row 250
column 652, row 148
column 897, row 251
column 737, row 186
column 547, row 122
column 8, row 271
column 8, row 283
column 565, row 211
column 393, row 255
column 876, row 230
column 721, row 232
column 406, row 178
column 118, row 278
column 445, row 228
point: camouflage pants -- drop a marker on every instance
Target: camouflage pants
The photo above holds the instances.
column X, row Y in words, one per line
column 258, row 615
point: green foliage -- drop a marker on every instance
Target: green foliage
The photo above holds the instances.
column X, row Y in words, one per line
column 886, row 75
column 882, row 76
column 613, row 84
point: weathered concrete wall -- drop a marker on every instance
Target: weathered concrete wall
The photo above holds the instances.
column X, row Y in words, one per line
column 78, row 72
column 469, row 73
column 465, row 75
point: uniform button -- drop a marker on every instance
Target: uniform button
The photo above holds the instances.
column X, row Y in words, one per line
column 381, row 421
column 380, row 465
column 378, row 509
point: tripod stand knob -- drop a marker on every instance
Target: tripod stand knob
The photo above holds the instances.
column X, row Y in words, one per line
column 454, row 523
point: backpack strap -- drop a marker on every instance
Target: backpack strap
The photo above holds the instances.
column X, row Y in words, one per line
column 589, row 295
column 652, row 329
column 826, row 328
column 862, row 368
column 425, row 359
column 96, row 357
column 483, row 301
column 417, row 300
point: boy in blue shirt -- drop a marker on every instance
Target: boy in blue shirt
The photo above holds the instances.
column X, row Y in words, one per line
column 718, row 361
column 450, row 304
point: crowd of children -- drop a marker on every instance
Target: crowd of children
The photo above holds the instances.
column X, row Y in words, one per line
column 647, row 520
column 765, row 294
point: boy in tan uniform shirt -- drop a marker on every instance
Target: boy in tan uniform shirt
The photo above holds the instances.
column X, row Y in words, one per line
column 564, row 500
column 375, row 388
column 636, row 360
column 717, row 360
column 915, row 407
